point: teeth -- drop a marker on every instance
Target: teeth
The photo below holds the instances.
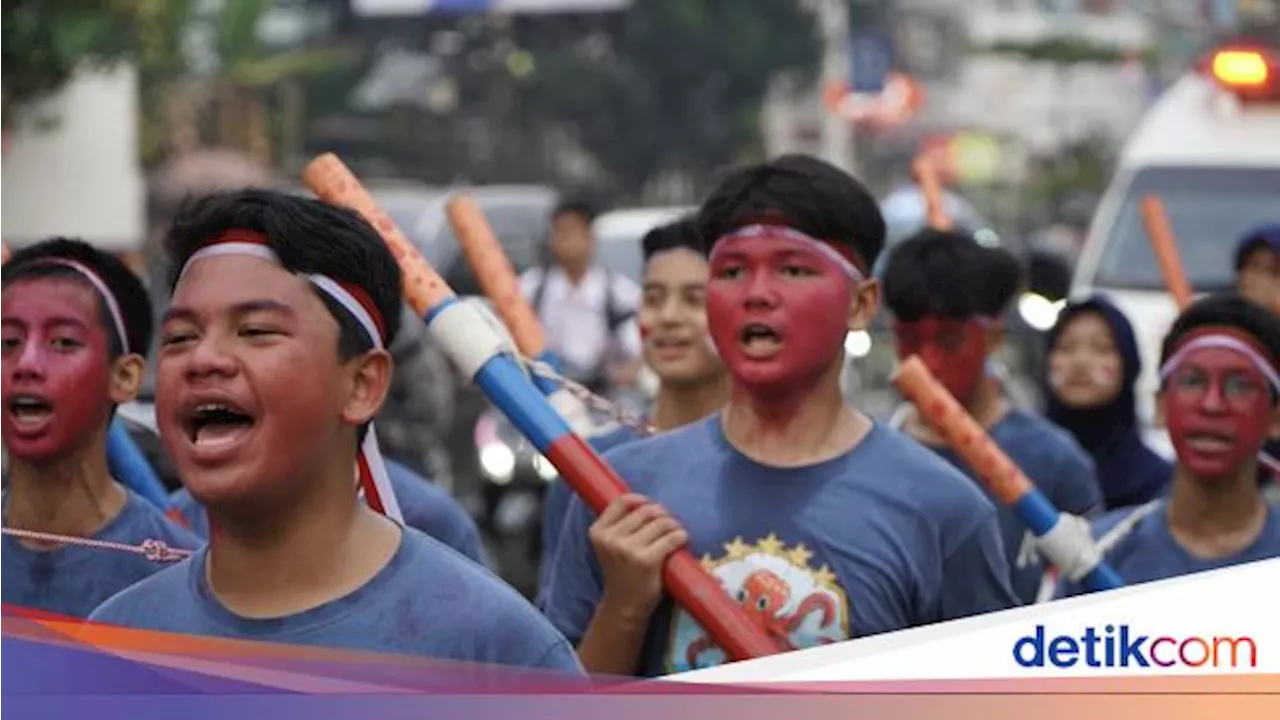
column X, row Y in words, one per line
column 213, row 407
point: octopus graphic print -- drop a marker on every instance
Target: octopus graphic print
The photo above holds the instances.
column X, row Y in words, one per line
column 797, row 605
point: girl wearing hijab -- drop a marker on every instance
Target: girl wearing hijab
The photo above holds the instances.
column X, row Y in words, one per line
column 1092, row 368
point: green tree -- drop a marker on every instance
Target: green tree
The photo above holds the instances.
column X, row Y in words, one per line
column 669, row 84
column 44, row 41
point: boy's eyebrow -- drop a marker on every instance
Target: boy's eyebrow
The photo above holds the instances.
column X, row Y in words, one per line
column 182, row 312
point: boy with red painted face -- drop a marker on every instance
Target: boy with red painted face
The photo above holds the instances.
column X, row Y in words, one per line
column 272, row 365
column 75, row 323
column 823, row 524
column 1219, row 398
column 946, row 294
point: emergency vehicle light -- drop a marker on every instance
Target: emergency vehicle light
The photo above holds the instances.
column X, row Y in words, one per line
column 1240, row 68
column 1251, row 73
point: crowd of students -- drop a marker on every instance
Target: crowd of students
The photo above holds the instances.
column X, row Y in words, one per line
column 823, row 523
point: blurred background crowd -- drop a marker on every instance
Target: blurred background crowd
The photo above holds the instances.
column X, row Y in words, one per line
column 115, row 110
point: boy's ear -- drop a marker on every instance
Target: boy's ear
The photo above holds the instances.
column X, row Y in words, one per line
column 126, row 378
column 370, row 383
column 864, row 305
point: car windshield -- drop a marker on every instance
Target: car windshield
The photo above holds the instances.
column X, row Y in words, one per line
column 1209, row 209
column 521, row 228
column 621, row 253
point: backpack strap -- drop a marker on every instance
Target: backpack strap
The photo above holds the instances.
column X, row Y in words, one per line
column 614, row 316
column 540, row 290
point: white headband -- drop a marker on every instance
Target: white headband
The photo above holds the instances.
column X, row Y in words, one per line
column 758, row 231
column 108, row 297
column 378, row 491
column 1226, row 342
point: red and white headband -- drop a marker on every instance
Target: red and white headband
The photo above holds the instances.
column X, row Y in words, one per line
column 1225, row 341
column 783, row 231
column 108, row 297
column 375, row 482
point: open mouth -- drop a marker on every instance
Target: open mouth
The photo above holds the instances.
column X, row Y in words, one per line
column 29, row 410
column 1207, row 442
column 757, row 338
column 211, row 424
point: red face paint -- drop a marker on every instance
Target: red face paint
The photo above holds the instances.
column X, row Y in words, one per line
column 244, row 333
column 955, row 351
column 1217, row 407
column 778, row 312
column 57, row 368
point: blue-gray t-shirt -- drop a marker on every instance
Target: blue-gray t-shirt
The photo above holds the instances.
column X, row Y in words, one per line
column 884, row 537
column 1058, row 466
column 1149, row 552
column 427, row 601
column 559, row 494
column 72, row 580
column 425, row 506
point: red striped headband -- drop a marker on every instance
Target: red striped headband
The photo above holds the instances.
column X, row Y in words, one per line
column 375, row 482
column 849, row 263
column 108, row 297
column 1226, row 338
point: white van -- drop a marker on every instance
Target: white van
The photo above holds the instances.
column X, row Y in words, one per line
column 1210, row 150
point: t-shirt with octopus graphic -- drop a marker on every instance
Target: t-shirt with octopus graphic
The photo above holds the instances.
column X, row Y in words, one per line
column 884, row 537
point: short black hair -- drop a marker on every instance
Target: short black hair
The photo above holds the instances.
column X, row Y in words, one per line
column 309, row 236
column 682, row 233
column 1231, row 310
column 807, row 194
column 127, row 289
column 578, row 206
column 948, row 274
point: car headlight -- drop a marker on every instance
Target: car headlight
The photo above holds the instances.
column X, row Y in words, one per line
column 857, row 344
column 498, row 462
column 543, row 467
column 1038, row 311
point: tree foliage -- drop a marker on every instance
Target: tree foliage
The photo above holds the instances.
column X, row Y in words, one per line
column 44, row 41
column 669, row 84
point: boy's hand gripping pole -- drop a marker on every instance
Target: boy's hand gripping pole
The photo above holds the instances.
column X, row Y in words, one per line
column 478, row 351
column 1068, row 545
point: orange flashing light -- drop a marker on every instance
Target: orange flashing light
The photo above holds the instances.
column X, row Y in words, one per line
column 1240, row 68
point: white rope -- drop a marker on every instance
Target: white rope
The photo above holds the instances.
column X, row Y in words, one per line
column 153, row 550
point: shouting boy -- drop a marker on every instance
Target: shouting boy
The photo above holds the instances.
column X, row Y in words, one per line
column 272, row 364
column 676, row 346
column 823, row 524
column 946, row 294
column 1219, row 398
column 76, row 322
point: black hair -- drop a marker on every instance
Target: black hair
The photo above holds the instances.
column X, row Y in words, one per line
column 1002, row 280
column 126, row 288
column 309, row 236
column 804, row 192
column 682, row 233
column 1228, row 309
column 948, row 274
column 1259, row 238
column 580, row 207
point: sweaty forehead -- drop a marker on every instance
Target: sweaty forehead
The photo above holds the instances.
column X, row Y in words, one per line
column 222, row 282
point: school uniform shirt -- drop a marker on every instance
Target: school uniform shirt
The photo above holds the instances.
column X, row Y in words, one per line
column 427, row 601
column 73, row 579
column 424, row 505
column 884, row 537
column 556, row 504
column 575, row 317
column 1051, row 459
column 1149, row 552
